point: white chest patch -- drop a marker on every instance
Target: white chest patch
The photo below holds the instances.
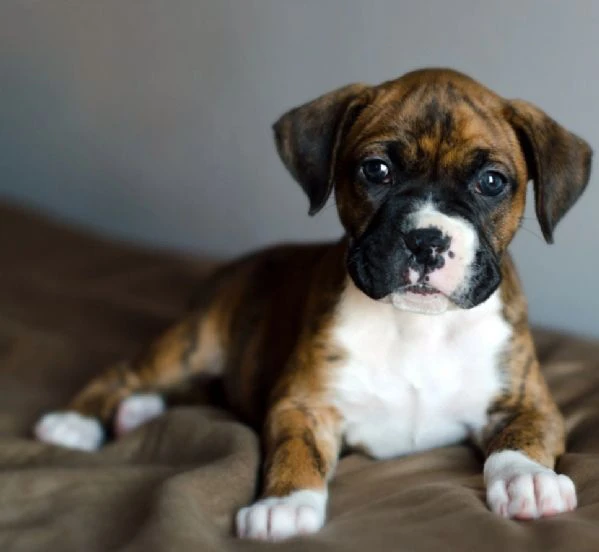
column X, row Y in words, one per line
column 414, row 381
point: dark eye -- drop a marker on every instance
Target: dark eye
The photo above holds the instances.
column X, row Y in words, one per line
column 491, row 183
column 376, row 171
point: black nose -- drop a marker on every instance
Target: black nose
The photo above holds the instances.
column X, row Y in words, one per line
column 426, row 244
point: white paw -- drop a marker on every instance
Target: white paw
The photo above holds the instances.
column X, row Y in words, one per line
column 278, row 518
column 519, row 488
column 71, row 430
column 137, row 410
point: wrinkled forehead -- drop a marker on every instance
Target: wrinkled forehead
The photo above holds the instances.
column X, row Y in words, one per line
column 439, row 126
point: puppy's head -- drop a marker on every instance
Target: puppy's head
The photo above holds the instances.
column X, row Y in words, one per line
column 429, row 173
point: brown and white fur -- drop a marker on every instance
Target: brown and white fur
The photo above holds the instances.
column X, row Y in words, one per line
column 409, row 333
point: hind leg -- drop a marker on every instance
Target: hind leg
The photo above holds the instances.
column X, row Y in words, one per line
column 131, row 393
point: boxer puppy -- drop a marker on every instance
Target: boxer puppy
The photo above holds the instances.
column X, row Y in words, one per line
column 409, row 333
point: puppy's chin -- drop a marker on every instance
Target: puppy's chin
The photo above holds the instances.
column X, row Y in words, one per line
column 435, row 303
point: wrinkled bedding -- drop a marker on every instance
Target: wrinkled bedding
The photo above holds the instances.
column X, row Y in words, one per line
column 71, row 303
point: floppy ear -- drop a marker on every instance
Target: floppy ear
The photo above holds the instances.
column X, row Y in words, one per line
column 558, row 162
column 307, row 138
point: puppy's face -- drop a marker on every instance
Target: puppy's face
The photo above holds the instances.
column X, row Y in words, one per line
column 429, row 174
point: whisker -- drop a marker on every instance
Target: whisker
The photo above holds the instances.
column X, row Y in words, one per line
column 535, row 234
column 330, row 205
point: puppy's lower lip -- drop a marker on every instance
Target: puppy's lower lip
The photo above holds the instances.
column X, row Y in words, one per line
column 421, row 289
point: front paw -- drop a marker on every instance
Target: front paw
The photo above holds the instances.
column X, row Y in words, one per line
column 519, row 488
column 278, row 518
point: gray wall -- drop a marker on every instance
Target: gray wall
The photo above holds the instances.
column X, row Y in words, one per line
column 150, row 120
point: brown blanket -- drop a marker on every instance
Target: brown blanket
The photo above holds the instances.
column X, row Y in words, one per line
column 70, row 303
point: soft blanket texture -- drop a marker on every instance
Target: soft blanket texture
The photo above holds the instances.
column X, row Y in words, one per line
column 71, row 303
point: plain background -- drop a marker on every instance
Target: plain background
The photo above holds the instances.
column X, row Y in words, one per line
column 150, row 120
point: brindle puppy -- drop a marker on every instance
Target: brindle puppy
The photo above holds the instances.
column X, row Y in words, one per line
column 409, row 333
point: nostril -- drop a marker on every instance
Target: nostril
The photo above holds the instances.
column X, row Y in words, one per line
column 414, row 241
column 441, row 243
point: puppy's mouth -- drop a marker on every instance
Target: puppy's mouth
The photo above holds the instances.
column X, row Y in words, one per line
column 421, row 298
column 420, row 289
